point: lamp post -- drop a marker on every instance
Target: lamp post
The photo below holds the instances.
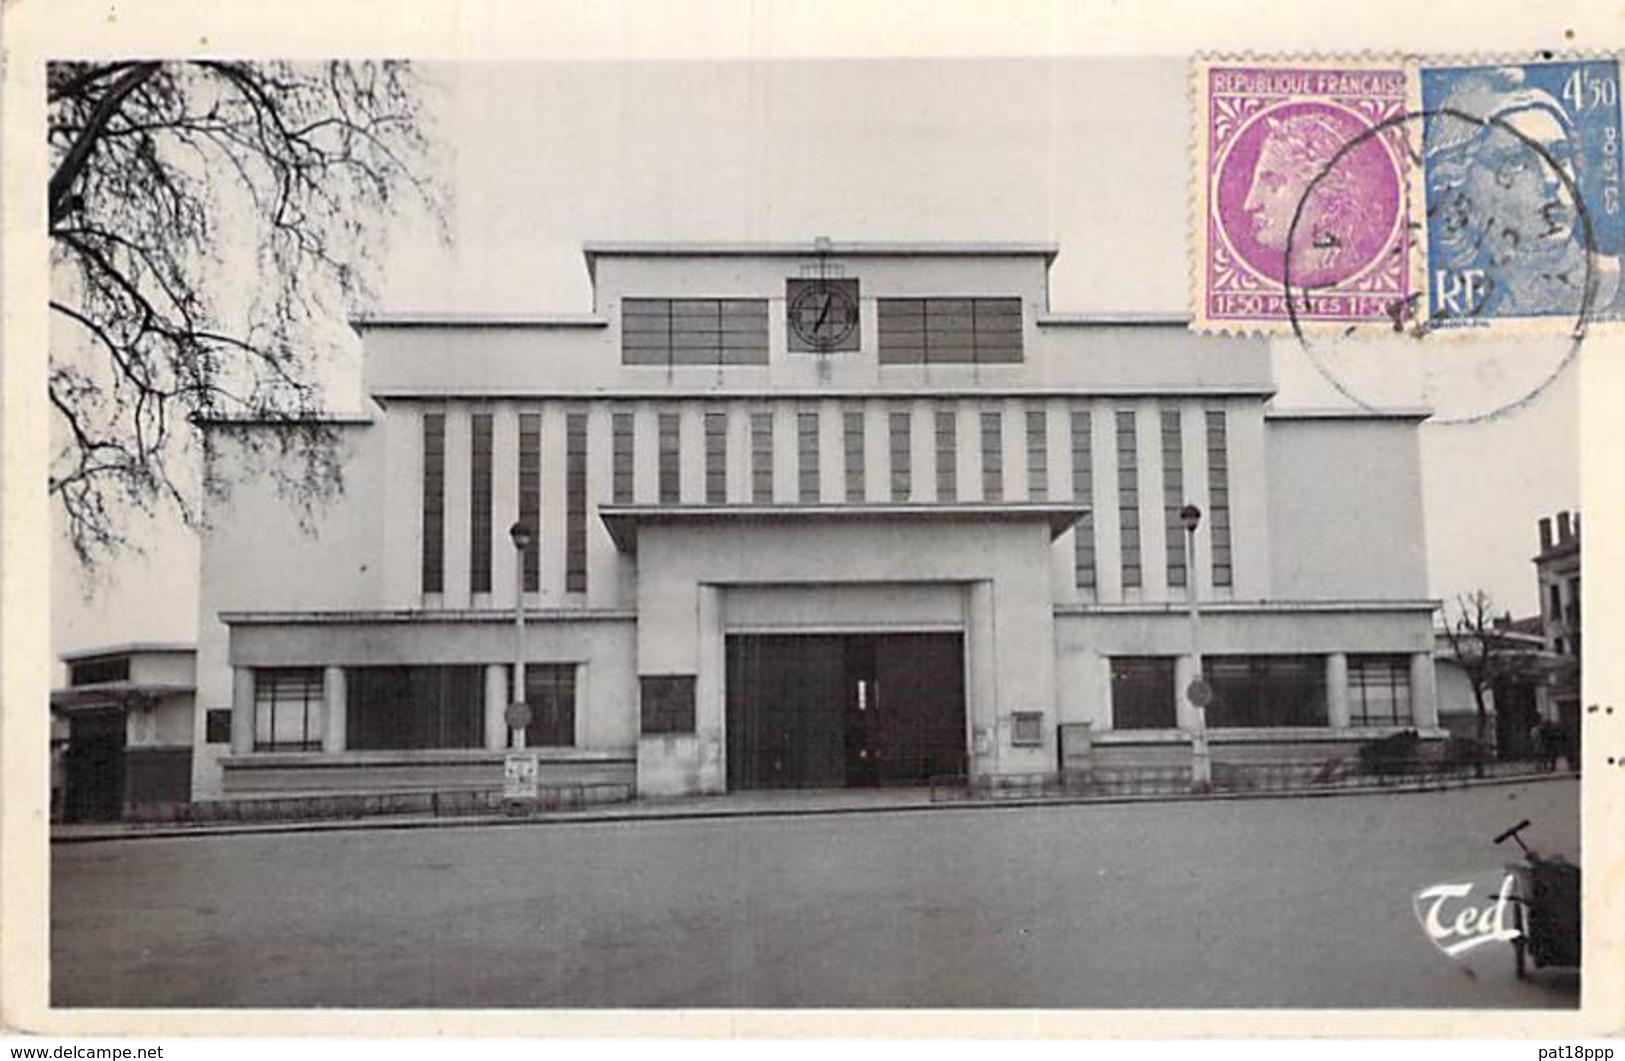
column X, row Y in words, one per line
column 1199, row 693
column 518, row 712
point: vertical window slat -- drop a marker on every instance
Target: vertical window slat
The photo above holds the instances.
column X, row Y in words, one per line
column 434, row 503
column 575, row 503
column 1128, row 496
column 671, row 466
column 623, row 436
column 479, row 503
column 992, row 455
column 1037, row 455
column 530, row 495
column 947, row 455
column 1083, row 494
column 1218, row 480
column 902, row 471
column 716, row 458
column 761, row 458
column 854, row 434
column 807, row 456
column 1173, row 495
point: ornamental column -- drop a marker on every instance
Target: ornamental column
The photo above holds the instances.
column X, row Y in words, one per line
column 1424, row 691
column 496, row 707
column 242, row 710
column 334, row 697
column 1337, row 690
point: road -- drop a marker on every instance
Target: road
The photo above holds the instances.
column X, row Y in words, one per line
column 1259, row 903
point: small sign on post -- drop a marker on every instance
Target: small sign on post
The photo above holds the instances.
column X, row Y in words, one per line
column 519, row 780
column 1200, row 694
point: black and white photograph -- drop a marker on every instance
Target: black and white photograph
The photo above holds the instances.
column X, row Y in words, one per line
column 751, row 524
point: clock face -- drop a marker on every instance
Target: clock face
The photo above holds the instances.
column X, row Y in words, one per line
column 823, row 315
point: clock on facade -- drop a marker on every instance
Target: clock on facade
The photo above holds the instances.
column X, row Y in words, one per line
column 823, row 314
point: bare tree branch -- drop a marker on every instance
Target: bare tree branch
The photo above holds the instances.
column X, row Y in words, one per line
column 170, row 180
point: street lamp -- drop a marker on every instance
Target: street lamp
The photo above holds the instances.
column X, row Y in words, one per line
column 1198, row 693
column 518, row 714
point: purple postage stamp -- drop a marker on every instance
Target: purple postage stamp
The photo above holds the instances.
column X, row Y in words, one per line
column 1303, row 216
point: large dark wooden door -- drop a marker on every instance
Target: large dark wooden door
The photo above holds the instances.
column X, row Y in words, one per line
column 844, row 710
column 919, row 713
column 785, row 712
column 93, row 767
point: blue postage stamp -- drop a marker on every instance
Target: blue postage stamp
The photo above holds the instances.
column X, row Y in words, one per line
column 1521, row 165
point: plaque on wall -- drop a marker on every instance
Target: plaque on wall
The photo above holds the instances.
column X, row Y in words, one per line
column 667, row 703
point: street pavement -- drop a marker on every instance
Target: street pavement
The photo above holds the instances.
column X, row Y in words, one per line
column 1197, row 904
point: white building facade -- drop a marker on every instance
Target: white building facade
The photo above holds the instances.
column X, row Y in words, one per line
column 815, row 515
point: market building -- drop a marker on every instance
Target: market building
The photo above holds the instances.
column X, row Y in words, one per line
column 816, row 514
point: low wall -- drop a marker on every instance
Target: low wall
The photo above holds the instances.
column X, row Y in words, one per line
column 272, row 775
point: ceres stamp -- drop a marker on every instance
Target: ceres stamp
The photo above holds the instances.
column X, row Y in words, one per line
column 1303, row 178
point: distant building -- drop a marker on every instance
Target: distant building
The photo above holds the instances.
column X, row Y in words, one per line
column 122, row 730
column 1557, row 566
column 1515, row 703
column 814, row 514
column 1545, row 690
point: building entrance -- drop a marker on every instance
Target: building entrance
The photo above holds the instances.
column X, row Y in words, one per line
column 844, row 710
column 93, row 781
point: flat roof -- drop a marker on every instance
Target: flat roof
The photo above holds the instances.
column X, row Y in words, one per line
column 129, row 648
column 1120, row 319
column 113, row 694
column 455, row 319
column 1352, row 412
column 622, row 521
column 595, row 249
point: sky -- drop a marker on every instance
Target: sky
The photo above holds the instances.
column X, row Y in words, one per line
column 1089, row 153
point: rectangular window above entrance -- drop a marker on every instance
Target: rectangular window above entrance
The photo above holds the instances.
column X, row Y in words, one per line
column 694, row 331
column 946, row 331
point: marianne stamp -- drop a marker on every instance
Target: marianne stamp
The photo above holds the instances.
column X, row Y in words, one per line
column 1521, row 169
column 1303, row 184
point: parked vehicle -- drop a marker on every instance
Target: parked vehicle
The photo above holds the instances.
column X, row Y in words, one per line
column 1546, row 906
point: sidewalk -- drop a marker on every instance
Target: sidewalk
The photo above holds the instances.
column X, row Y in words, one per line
column 761, row 804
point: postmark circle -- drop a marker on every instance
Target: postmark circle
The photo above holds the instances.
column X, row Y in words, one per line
column 1475, row 209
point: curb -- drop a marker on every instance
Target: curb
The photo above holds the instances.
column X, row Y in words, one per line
column 681, row 812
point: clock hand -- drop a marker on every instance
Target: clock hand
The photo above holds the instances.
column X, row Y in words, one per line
column 823, row 313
